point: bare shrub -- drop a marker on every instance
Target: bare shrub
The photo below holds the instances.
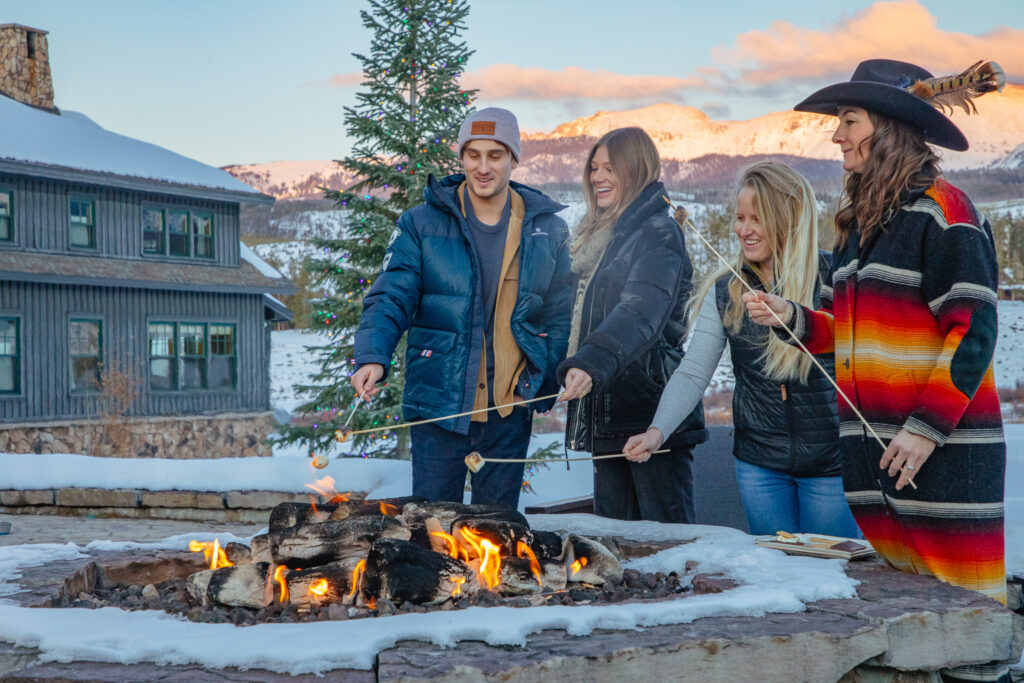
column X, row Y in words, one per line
column 119, row 388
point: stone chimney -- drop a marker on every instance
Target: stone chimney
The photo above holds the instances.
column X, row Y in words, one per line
column 25, row 66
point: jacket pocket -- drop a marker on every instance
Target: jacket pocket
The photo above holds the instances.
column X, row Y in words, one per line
column 427, row 366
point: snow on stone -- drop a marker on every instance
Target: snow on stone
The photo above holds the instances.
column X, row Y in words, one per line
column 73, row 140
column 250, row 256
column 771, row 582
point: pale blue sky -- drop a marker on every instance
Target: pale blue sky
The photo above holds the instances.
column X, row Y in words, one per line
column 233, row 81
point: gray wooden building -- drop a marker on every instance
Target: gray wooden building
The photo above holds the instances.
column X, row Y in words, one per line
column 121, row 260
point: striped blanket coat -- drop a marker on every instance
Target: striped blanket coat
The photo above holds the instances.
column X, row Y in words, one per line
column 911, row 317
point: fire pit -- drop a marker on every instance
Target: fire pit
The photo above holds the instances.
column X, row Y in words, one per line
column 336, row 559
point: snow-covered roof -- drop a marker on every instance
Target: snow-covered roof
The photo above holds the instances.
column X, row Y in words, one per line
column 71, row 140
column 265, row 268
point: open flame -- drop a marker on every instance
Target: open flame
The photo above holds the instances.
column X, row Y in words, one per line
column 388, row 510
column 459, row 580
column 523, row 550
column 319, row 587
column 325, row 487
column 489, row 554
column 279, row 577
column 453, row 545
column 214, row 554
column 356, row 574
column 578, row 565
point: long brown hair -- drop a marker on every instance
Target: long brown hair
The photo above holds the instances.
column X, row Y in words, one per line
column 899, row 160
column 636, row 163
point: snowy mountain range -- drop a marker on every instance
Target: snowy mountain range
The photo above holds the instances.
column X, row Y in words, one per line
column 692, row 145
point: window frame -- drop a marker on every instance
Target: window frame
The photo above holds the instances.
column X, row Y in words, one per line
column 163, row 229
column 178, row 357
column 86, row 318
column 208, row 215
column 93, row 233
column 17, row 355
column 9, row 216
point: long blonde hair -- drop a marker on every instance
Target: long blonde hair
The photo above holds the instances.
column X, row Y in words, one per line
column 784, row 202
column 635, row 161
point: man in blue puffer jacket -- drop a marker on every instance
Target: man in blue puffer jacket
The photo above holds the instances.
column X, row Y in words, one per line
column 479, row 276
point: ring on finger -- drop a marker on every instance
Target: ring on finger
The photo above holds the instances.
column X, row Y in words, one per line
column 909, row 467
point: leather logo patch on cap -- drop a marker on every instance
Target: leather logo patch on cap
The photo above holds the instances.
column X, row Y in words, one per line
column 482, row 128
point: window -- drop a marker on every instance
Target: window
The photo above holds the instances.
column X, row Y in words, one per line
column 152, row 231
column 163, row 362
column 83, row 223
column 202, row 234
column 86, row 355
column 192, row 356
column 10, row 357
column 6, row 220
column 192, row 343
column 177, row 232
column 222, row 357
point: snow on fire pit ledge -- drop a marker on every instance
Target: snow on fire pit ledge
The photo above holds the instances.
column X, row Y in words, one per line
column 770, row 582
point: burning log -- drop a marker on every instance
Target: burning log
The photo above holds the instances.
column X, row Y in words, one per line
column 399, row 570
column 259, row 551
column 289, row 514
column 238, row 553
column 588, row 561
column 503, row 534
column 314, row 544
column 448, row 513
column 546, row 544
column 320, row 585
column 247, row 585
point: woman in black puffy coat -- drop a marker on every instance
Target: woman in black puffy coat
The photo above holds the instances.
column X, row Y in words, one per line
column 631, row 276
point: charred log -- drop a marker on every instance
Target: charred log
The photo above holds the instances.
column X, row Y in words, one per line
column 238, row 553
column 305, row 545
column 399, row 570
column 518, row 577
column 503, row 534
column 589, row 561
column 260, row 549
column 320, row 585
column 448, row 513
column 247, row 585
column 546, row 545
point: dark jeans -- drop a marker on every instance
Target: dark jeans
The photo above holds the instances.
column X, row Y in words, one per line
column 659, row 490
column 439, row 467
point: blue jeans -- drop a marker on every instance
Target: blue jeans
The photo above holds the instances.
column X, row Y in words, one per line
column 439, row 459
column 776, row 501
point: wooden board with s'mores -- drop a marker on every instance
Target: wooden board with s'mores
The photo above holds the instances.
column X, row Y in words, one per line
column 817, row 545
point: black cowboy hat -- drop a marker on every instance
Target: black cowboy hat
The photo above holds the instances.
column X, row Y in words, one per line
column 879, row 85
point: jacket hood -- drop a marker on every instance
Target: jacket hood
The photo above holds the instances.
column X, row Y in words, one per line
column 441, row 194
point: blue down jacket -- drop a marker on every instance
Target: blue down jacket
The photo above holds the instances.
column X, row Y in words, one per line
column 429, row 286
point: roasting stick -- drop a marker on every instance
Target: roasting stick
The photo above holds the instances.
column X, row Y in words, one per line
column 685, row 220
column 475, row 461
column 343, row 434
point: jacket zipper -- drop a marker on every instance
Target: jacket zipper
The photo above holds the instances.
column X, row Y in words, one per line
column 789, row 423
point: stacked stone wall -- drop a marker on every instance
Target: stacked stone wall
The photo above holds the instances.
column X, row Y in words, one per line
column 25, row 66
column 229, row 435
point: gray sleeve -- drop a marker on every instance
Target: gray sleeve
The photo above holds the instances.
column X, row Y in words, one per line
column 686, row 387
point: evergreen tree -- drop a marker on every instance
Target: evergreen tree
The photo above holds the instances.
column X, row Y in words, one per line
column 404, row 127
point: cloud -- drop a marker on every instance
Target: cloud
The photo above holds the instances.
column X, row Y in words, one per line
column 511, row 82
column 901, row 29
column 347, row 80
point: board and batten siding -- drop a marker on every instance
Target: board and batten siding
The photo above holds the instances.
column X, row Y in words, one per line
column 45, row 311
column 42, row 219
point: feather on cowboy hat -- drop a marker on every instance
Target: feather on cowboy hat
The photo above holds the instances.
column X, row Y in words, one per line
column 910, row 93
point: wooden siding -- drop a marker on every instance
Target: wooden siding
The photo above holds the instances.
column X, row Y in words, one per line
column 41, row 219
column 45, row 311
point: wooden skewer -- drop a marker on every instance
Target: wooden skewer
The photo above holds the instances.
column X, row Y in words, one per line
column 743, row 281
column 475, row 461
column 343, row 434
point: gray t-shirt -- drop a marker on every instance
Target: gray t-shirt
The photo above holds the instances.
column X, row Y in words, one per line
column 489, row 242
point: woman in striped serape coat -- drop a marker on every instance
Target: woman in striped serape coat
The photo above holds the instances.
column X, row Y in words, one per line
column 912, row 320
